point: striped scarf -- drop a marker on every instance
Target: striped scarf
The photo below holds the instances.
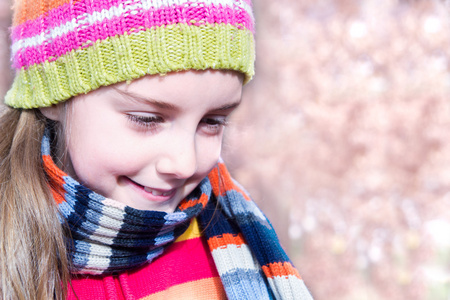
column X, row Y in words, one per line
column 108, row 237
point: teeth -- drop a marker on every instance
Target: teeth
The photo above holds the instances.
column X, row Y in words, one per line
column 156, row 193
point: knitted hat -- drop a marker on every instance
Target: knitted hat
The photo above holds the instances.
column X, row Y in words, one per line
column 61, row 48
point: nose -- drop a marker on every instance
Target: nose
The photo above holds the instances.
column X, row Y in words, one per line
column 178, row 158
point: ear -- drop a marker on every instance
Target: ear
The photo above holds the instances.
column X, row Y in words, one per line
column 52, row 112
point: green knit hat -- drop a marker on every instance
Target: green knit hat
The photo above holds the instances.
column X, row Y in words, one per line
column 62, row 48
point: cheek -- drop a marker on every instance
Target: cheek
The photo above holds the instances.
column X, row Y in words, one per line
column 94, row 154
column 208, row 154
column 88, row 158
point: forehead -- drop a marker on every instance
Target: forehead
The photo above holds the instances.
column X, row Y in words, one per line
column 214, row 84
column 211, row 89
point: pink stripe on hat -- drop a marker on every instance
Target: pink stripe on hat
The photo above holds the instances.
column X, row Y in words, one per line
column 84, row 37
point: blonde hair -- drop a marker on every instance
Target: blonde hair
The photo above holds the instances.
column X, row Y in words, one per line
column 33, row 259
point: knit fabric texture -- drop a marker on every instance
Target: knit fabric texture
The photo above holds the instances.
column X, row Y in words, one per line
column 111, row 237
column 185, row 271
column 62, row 48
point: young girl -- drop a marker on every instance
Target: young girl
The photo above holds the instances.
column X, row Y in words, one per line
column 112, row 185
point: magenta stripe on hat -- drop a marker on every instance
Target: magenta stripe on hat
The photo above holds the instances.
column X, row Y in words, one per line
column 73, row 13
column 86, row 36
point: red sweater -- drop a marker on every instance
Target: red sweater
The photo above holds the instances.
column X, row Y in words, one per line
column 185, row 271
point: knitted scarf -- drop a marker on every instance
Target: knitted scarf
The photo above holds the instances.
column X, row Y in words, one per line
column 107, row 236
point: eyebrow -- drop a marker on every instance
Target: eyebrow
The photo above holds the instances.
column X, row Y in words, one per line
column 169, row 106
column 145, row 100
column 228, row 106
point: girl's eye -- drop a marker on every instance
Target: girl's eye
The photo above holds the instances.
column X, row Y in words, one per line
column 145, row 121
column 214, row 125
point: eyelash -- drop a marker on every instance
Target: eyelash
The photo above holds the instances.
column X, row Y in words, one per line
column 148, row 122
column 213, row 125
column 215, row 122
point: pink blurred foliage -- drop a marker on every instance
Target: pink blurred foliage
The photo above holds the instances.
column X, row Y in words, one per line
column 343, row 140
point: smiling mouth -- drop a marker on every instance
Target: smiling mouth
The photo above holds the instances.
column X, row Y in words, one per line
column 156, row 192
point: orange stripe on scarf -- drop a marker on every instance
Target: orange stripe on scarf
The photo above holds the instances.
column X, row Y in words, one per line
column 222, row 182
column 281, row 269
column 185, row 204
column 57, row 177
column 224, row 240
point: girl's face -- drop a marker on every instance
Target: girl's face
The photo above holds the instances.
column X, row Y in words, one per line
column 149, row 143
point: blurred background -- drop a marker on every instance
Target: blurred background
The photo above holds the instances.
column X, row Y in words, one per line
column 343, row 139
